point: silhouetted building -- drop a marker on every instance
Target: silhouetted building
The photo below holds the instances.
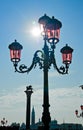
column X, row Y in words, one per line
column 71, row 126
column 53, row 124
column 9, row 128
column 39, row 126
column 23, row 126
column 33, row 116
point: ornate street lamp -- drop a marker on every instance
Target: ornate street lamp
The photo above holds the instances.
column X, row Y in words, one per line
column 4, row 122
column 81, row 107
column 15, row 52
column 81, row 114
column 81, row 86
column 50, row 30
column 66, row 56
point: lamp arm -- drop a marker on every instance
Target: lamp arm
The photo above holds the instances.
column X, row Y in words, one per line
column 52, row 60
column 62, row 69
column 36, row 60
column 23, row 68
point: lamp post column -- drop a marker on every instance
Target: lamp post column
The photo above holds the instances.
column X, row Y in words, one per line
column 28, row 92
column 46, row 115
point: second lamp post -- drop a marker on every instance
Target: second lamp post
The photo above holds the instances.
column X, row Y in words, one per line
column 50, row 30
column 81, row 114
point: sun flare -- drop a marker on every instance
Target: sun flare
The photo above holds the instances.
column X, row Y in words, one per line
column 35, row 31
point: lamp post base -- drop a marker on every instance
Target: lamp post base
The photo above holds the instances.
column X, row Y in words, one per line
column 46, row 119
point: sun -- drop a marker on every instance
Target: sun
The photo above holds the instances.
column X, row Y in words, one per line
column 36, row 31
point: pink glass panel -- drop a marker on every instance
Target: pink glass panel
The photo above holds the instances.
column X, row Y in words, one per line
column 53, row 33
column 67, row 57
column 15, row 54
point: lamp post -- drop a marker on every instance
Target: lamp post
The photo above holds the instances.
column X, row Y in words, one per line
column 28, row 92
column 81, row 114
column 50, row 30
column 81, row 107
column 81, row 86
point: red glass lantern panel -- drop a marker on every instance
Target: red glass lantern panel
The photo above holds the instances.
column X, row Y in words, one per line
column 53, row 35
column 15, row 55
column 66, row 54
column 76, row 112
column 67, row 58
column 43, row 22
column 42, row 30
column 81, row 107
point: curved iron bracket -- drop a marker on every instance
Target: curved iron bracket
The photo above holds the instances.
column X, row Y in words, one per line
column 37, row 59
column 62, row 69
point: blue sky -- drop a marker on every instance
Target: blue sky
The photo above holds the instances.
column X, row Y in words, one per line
column 16, row 20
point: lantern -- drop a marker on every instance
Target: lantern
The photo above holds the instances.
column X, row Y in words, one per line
column 53, row 30
column 81, row 107
column 15, row 51
column 76, row 112
column 66, row 54
column 43, row 23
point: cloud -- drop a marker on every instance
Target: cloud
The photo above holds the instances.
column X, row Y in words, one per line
column 63, row 102
column 54, row 74
column 9, row 99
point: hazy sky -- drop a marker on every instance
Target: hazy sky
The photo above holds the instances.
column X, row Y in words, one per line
column 17, row 17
